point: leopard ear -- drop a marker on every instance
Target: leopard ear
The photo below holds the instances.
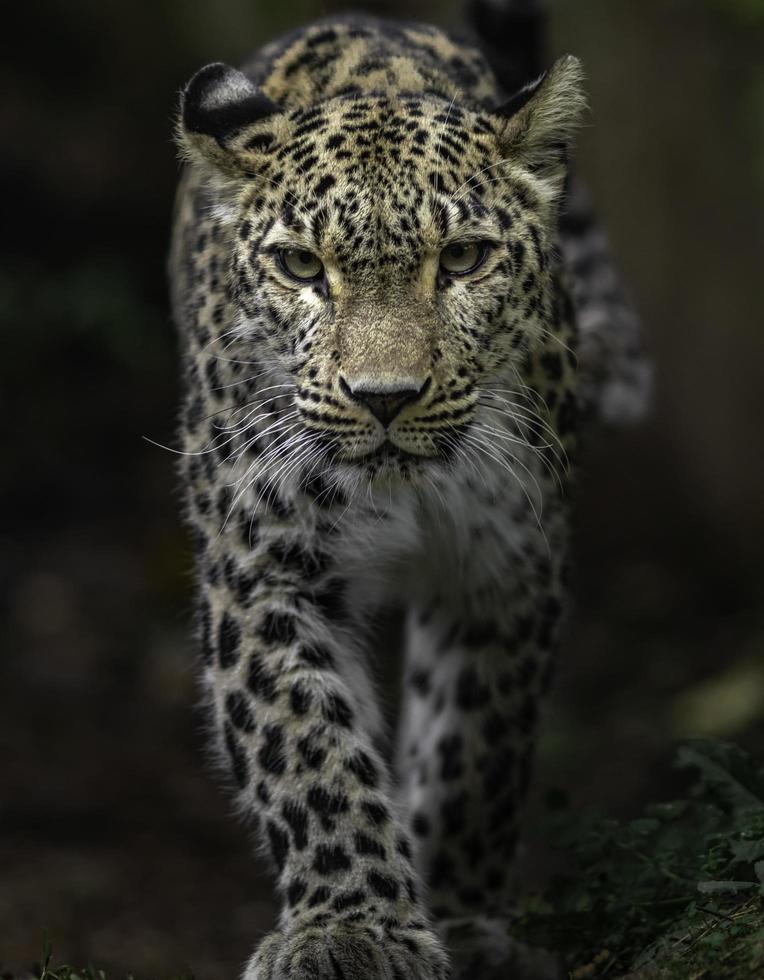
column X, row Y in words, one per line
column 540, row 122
column 225, row 120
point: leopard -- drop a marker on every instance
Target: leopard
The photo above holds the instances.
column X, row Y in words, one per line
column 397, row 316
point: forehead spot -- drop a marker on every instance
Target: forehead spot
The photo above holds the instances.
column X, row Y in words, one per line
column 323, row 185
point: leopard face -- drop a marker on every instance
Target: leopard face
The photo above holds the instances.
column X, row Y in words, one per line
column 390, row 257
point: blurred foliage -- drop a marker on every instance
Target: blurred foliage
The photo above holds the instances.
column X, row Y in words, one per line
column 100, row 301
column 746, row 10
column 755, row 111
column 724, row 704
column 676, row 893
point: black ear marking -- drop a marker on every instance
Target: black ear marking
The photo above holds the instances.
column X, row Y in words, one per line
column 522, row 97
column 219, row 101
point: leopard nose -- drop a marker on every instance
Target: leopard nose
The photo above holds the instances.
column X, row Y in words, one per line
column 384, row 401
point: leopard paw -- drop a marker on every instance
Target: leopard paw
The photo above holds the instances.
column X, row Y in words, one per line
column 340, row 950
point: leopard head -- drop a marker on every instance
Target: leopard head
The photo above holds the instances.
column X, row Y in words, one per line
column 391, row 254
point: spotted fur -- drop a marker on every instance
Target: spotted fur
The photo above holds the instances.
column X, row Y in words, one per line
column 385, row 430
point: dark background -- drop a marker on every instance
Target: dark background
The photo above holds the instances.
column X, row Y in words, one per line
column 115, row 835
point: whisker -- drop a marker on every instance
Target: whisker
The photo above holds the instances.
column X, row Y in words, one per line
column 492, row 433
column 505, row 464
column 538, row 429
column 477, row 173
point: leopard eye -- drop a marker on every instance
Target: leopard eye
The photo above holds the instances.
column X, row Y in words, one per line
column 458, row 258
column 301, row 264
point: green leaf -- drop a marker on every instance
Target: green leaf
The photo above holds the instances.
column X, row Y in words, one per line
column 718, row 887
column 747, row 850
column 645, row 825
column 666, row 811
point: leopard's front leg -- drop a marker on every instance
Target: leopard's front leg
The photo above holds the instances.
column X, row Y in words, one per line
column 295, row 717
column 476, row 670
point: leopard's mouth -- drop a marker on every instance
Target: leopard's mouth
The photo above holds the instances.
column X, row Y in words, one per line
column 389, row 454
column 386, row 451
column 389, row 467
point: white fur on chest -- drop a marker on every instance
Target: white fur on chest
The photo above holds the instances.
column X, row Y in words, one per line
column 455, row 538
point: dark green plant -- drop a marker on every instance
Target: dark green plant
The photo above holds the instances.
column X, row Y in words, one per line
column 676, row 893
column 48, row 971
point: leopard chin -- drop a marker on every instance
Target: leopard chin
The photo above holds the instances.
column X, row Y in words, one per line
column 387, row 466
column 392, row 461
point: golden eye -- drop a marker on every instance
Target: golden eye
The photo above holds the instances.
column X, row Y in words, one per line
column 459, row 258
column 301, row 264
